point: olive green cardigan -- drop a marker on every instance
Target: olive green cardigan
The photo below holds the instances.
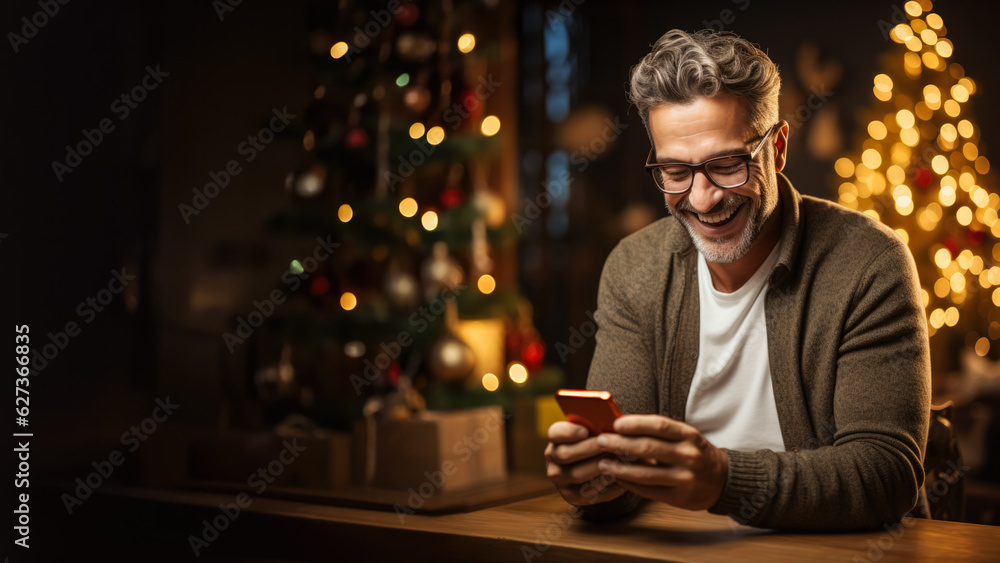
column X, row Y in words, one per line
column 850, row 365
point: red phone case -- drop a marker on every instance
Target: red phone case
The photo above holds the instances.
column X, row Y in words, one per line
column 595, row 410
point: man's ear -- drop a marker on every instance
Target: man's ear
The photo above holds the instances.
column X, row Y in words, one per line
column 781, row 147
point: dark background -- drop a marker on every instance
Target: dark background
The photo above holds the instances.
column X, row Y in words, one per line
column 119, row 207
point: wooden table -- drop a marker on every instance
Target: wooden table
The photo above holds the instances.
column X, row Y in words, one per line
column 538, row 529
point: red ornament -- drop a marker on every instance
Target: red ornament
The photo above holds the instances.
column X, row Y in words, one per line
column 407, row 14
column 356, row 138
column 452, row 196
column 319, row 286
column 975, row 238
column 923, row 177
column 394, row 373
column 952, row 245
column 472, row 104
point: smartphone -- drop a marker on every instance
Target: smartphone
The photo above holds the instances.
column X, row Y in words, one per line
column 595, row 410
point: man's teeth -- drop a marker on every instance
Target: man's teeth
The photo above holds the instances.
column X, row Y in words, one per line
column 718, row 217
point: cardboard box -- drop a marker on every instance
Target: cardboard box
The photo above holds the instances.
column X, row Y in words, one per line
column 436, row 450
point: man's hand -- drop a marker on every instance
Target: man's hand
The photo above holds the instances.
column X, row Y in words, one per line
column 573, row 456
column 677, row 464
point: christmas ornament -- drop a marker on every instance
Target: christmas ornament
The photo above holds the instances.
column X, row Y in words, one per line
column 401, row 287
column 491, row 206
column 440, row 271
column 356, row 138
column 452, row 196
column 923, row 177
column 451, row 359
column 407, row 15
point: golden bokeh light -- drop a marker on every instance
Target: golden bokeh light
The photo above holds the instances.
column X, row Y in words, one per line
column 435, row 135
column 964, row 216
column 408, row 207
column 490, row 125
column 942, row 258
column 486, row 284
column 517, row 372
column 467, row 42
column 345, row 213
column 348, row 301
column 429, row 220
column 416, row 130
column 339, row 49
column 844, row 167
column 983, row 346
column 490, row 382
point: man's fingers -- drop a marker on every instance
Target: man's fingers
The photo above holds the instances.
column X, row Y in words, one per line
column 574, row 473
column 649, row 475
column 655, row 425
column 565, row 432
column 661, row 451
column 572, row 453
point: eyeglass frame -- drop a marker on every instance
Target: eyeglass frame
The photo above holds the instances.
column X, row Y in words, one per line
column 694, row 168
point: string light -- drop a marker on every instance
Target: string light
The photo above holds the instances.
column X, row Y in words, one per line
column 339, row 49
column 467, row 42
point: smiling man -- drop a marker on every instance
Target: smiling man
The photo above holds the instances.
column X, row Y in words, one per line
column 769, row 350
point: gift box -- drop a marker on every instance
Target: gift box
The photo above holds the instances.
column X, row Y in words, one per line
column 432, row 450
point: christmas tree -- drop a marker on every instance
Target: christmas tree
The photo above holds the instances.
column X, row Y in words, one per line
column 401, row 166
column 920, row 171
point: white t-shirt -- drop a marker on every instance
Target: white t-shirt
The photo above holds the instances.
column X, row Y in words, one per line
column 731, row 401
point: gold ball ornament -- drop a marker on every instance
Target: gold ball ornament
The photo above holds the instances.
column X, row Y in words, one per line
column 451, row 359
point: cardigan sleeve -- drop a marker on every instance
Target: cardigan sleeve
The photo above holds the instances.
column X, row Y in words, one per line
column 872, row 472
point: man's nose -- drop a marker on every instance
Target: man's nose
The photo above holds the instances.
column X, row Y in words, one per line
column 704, row 195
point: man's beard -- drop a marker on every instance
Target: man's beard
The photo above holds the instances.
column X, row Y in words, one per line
column 732, row 247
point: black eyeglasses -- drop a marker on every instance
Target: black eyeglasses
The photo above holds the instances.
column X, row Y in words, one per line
column 724, row 171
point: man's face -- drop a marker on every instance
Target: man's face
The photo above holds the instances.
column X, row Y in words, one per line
column 723, row 223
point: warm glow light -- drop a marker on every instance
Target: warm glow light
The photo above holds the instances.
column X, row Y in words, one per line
column 904, row 205
column 904, row 118
column 490, row 382
column 466, row 42
column 416, row 130
column 959, row 93
column 903, row 235
column 934, row 20
column 435, row 135
column 957, row 282
column 949, row 132
column 348, row 301
column 996, row 297
column 517, row 372
column 901, row 33
column 983, row 346
column 951, row 316
column 408, row 207
column 877, row 130
column 964, row 215
column 939, row 164
column 345, row 213
column 947, row 196
column 429, row 220
column 486, row 284
column 928, row 36
column 942, row 258
column 338, row 50
column 871, row 158
column 944, row 48
column 913, row 8
column 942, row 287
column 844, row 167
column 909, row 136
column 490, row 126
column 952, row 108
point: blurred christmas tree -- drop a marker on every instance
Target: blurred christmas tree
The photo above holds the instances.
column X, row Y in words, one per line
column 401, row 167
column 920, row 170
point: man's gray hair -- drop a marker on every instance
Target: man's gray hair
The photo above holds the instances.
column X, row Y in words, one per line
column 683, row 66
